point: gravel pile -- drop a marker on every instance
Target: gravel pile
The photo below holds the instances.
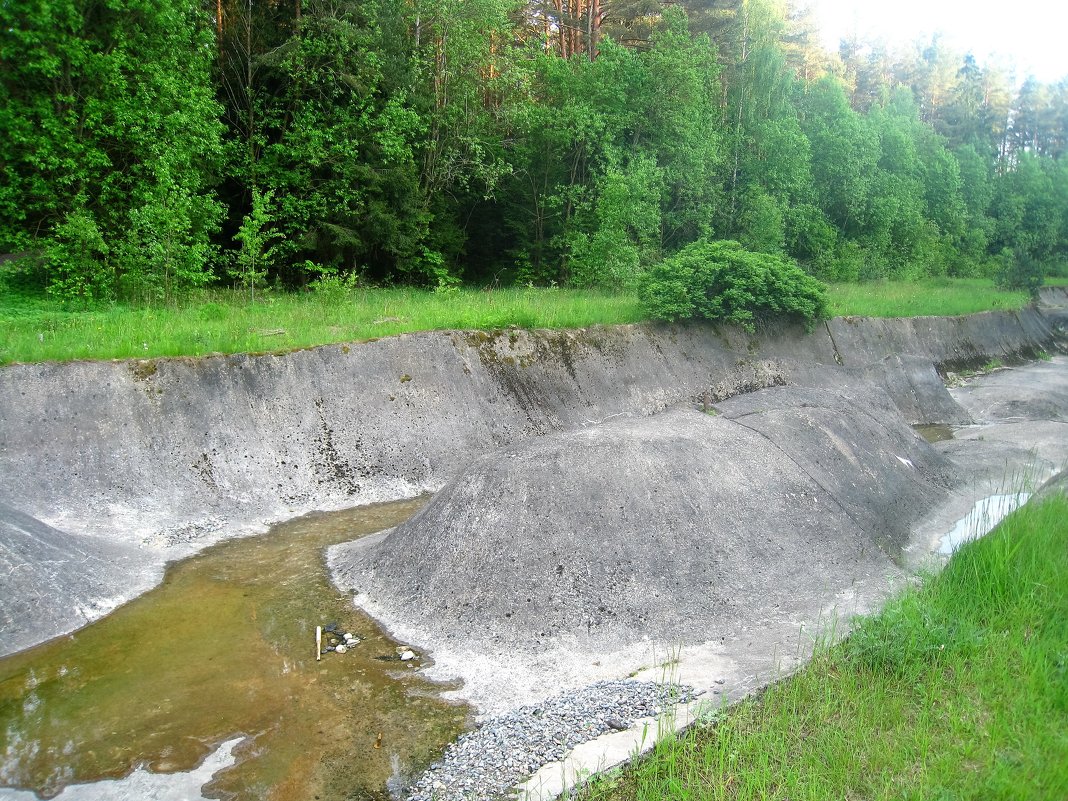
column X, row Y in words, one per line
column 484, row 764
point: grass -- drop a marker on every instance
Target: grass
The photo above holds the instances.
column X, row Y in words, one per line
column 938, row 297
column 957, row 690
column 221, row 322
column 34, row 329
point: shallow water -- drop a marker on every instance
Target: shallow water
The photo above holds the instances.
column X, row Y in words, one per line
column 225, row 646
column 934, row 432
column 985, row 514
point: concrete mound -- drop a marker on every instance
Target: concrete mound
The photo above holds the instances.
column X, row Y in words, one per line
column 857, row 450
column 669, row 528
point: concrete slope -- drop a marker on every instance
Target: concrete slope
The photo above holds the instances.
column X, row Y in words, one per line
column 860, row 452
column 40, row 565
column 170, row 455
column 676, row 526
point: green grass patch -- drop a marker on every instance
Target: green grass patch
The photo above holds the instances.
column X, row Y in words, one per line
column 34, row 329
column 935, row 297
column 222, row 322
column 957, row 690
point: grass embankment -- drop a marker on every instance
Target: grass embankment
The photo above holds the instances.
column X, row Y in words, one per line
column 221, row 322
column 957, row 690
column 937, row 297
column 35, row 330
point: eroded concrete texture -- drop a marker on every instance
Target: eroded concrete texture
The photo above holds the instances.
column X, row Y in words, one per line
column 665, row 527
column 153, row 460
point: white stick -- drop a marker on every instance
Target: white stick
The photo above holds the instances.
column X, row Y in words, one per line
column 318, row 643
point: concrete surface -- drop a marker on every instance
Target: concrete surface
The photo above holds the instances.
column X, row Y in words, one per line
column 164, row 457
column 668, row 528
column 41, row 565
column 1009, row 449
column 109, row 470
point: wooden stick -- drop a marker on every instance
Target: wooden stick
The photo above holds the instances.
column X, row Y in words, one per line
column 318, row 643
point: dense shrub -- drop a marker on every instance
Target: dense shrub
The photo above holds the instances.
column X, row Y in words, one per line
column 1019, row 270
column 724, row 281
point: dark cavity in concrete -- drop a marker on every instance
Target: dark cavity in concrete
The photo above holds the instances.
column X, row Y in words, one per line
column 225, row 646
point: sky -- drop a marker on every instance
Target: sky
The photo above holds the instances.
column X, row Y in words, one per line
column 1030, row 34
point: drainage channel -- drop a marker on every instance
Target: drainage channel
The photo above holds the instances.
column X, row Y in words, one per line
column 225, row 647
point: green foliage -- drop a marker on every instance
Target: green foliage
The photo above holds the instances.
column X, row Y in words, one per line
column 958, row 689
column 929, row 297
column 337, row 309
column 75, row 254
column 1020, row 271
column 625, row 230
column 109, row 142
column 614, row 159
column 435, row 141
column 722, row 281
column 254, row 257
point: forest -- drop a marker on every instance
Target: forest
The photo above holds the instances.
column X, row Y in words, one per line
column 153, row 146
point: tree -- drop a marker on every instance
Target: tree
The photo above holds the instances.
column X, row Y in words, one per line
column 1028, row 213
column 845, row 156
column 110, row 141
column 615, row 154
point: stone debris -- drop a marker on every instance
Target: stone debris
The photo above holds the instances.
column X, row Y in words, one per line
column 336, row 641
column 486, row 763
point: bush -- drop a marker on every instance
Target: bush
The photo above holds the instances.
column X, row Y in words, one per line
column 1020, row 271
column 724, row 281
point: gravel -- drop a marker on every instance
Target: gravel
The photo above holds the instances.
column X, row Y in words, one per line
column 486, row 763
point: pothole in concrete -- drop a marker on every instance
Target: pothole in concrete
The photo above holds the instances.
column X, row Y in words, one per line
column 984, row 516
column 226, row 647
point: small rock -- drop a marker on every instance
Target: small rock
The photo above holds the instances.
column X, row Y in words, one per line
column 407, row 656
column 349, row 636
column 341, row 649
column 617, row 724
column 721, row 681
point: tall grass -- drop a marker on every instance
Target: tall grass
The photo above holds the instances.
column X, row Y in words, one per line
column 957, row 690
column 933, row 297
column 223, row 322
column 37, row 329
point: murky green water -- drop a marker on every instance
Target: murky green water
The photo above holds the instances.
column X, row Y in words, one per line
column 935, row 432
column 224, row 646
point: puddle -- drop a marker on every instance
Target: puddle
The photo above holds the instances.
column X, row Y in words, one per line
column 985, row 514
column 225, row 647
column 935, row 433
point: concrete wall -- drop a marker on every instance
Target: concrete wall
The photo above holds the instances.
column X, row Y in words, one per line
column 166, row 456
